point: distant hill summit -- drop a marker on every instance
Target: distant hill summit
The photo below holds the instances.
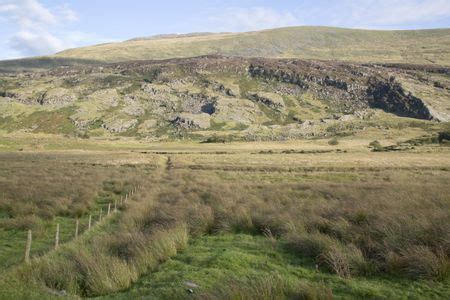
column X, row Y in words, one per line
column 431, row 46
column 323, row 43
column 173, row 36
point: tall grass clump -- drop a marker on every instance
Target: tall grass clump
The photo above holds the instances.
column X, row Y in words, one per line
column 266, row 288
column 420, row 262
column 103, row 266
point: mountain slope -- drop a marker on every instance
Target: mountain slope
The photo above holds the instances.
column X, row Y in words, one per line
column 244, row 98
column 324, row 43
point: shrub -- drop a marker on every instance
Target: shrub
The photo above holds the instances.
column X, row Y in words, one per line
column 310, row 244
column 345, row 260
column 444, row 136
column 420, row 262
column 333, row 142
column 376, row 146
column 21, row 223
column 215, row 139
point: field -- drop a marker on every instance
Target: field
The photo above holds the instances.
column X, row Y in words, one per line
column 306, row 219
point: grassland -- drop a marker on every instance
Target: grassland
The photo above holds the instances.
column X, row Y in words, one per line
column 322, row 43
column 267, row 220
column 430, row 46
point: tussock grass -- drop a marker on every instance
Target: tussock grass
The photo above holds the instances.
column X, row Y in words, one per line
column 107, row 262
column 271, row 287
column 348, row 227
column 385, row 219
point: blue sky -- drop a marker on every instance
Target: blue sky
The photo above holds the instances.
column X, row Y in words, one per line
column 39, row 27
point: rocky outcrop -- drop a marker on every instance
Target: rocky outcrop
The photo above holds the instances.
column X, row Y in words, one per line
column 277, row 74
column 274, row 102
column 57, row 97
column 198, row 103
column 389, row 96
column 119, row 125
column 348, row 88
column 192, row 121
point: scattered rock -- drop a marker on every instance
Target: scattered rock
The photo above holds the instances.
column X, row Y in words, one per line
column 271, row 100
column 119, row 125
column 191, row 284
column 192, row 121
column 346, row 118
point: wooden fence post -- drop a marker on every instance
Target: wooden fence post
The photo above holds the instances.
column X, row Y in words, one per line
column 89, row 222
column 126, row 198
column 77, row 223
column 109, row 208
column 28, row 247
column 57, row 236
column 115, row 205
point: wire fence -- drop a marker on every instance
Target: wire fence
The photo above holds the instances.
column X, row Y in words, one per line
column 112, row 208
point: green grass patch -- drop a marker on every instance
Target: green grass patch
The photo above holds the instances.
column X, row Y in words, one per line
column 217, row 265
column 56, row 121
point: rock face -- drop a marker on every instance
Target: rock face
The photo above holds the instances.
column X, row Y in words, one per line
column 192, row 121
column 198, row 103
column 351, row 88
column 57, row 97
column 272, row 101
column 391, row 97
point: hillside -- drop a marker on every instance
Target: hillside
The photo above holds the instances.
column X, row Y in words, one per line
column 422, row 46
column 320, row 43
column 238, row 98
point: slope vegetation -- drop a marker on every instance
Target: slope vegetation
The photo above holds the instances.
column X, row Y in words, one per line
column 421, row 46
column 322, row 43
column 238, row 97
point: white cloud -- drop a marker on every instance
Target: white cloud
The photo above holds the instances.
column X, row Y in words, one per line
column 31, row 43
column 7, row 7
column 254, row 18
column 390, row 14
column 67, row 13
column 369, row 13
column 38, row 30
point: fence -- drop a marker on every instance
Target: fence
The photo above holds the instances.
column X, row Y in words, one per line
column 113, row 208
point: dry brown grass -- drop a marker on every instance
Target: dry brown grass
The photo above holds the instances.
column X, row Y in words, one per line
column 355, row 215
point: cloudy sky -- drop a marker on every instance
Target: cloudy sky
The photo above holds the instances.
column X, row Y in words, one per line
column 39, row 27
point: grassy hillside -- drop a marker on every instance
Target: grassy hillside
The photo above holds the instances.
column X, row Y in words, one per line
column 420, row 46
column 324, row 43
column 37, row 63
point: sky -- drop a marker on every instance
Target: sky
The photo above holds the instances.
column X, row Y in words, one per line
column 41, row 27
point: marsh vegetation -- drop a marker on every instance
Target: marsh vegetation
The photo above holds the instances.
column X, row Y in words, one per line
column 231, row 224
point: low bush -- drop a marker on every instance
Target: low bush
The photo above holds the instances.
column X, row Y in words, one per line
column 215, row 139
column 333, row 142
column 345, row 260
column 421, row 262
column 376, row 146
